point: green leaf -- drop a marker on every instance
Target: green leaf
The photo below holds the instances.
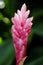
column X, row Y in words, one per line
column 10, row 7
column 30, row 36
column 6, row 20
column 37, row 21
column 38, row 61
column 36, row 52
column 1, row 40
column 38, row 28
column 7, row 53
column 1, row 16
column 35, row 56
column 36, row 13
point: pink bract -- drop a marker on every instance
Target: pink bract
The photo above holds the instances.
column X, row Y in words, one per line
column 20, row 30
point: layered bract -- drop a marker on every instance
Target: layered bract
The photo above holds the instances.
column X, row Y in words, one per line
column 20, row 30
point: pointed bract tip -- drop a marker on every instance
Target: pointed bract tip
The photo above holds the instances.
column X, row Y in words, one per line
column 23, row 7
column 31, row 18
column 31, row 23
column 28, row 11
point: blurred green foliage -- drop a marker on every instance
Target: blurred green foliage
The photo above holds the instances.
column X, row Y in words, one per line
column 35, row 41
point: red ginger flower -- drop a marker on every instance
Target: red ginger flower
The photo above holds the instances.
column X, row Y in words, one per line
column 20, row 30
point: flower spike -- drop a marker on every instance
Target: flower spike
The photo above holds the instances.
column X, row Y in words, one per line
column 20, row 30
